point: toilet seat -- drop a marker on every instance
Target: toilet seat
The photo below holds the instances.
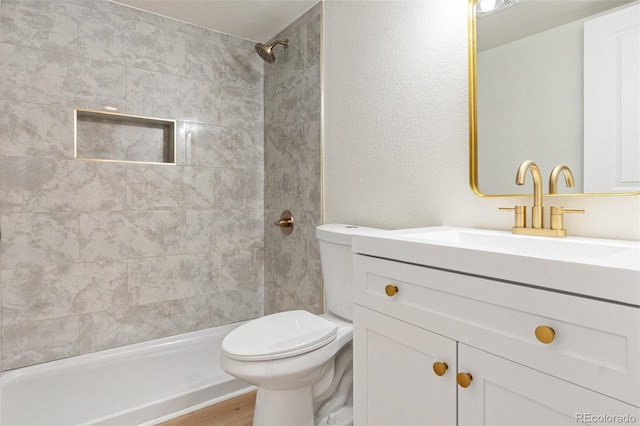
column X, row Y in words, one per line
column 277, row 336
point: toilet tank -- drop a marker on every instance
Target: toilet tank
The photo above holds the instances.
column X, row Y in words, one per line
column 337, row 266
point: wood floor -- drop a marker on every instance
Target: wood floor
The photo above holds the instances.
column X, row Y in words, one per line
column 236, row 411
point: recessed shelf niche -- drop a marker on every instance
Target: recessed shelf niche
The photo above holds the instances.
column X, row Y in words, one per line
column 108, row 136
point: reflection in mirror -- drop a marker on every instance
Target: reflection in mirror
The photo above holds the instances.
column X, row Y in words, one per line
column 538, row 97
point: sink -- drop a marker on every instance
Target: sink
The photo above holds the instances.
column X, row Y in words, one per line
column 593, row 267
column 553, row 248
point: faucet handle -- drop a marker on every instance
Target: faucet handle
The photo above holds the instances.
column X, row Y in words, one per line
column 557, row 216
column 520, row 215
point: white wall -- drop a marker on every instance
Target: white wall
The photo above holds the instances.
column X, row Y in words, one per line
column 396, row 125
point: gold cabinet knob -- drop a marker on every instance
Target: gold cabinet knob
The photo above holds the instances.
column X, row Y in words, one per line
column 440, row 368
column 545, row 334
column 464, row 379
column 391, row 290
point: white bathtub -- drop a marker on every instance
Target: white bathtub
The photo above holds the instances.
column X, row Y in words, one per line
column 140, row 384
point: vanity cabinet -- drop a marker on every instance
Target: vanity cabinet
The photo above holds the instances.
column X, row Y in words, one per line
column 486, row 328
column 396, row 383
column 503, row 392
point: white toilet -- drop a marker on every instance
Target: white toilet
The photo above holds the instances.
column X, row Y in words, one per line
column 301, row 362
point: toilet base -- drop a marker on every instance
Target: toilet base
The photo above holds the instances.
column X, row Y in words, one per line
column 342, row 417
column 288, row 407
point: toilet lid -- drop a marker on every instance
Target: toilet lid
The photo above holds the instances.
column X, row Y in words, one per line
column 279, row 335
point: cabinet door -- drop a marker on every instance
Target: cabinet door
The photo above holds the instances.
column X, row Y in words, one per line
column 505, row 393
column 394, row 380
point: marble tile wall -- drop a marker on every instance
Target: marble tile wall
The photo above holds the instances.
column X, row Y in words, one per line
column 95, row 255
column 293, row 167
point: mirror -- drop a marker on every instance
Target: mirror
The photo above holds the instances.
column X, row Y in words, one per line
column 534, row 95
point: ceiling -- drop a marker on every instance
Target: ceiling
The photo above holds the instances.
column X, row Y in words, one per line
column 261, row 20
column 256, row 20
column 529, row 17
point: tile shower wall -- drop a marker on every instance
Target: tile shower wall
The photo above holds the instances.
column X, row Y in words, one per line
column 293, row 167
column 96, row 255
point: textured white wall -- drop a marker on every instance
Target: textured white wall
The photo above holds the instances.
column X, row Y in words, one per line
column 396, row 125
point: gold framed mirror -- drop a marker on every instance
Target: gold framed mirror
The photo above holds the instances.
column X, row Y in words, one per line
column 533, row 95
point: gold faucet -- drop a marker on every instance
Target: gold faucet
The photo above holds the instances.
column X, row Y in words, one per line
column 557, row 213
column 555, row 174
column 537, row 209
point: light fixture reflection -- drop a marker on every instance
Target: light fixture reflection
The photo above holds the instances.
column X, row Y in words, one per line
column 488, row 7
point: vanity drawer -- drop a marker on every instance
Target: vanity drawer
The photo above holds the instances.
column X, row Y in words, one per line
column 596, row 344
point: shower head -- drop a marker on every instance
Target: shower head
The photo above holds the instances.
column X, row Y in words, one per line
column 266, row 50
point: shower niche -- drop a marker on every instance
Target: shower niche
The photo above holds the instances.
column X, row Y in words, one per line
column 108, row 136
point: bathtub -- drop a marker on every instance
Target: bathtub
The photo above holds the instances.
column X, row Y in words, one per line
column 141, row 384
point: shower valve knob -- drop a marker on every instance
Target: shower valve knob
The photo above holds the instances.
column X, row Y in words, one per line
column 285, row 223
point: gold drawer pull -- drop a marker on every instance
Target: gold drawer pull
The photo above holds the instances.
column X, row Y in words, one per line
column 391, row 290
column 464, row 379
column 440, row 368
column 545, row 334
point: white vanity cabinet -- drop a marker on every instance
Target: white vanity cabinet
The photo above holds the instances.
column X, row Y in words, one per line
column 395, row 383
column 486, row 327
column 503, row 392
